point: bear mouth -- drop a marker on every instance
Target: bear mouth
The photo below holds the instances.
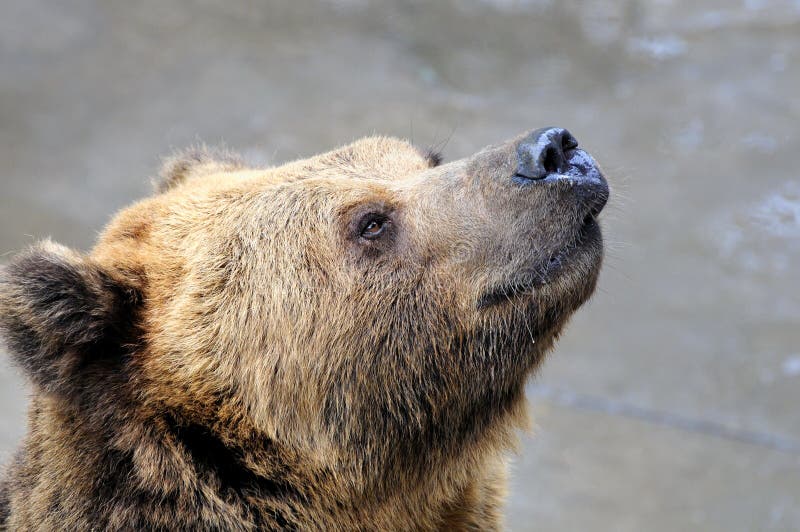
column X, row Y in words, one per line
column 584, row 247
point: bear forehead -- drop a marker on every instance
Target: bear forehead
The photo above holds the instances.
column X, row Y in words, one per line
column 385, row 158
column 370, row 158
column 199, row 181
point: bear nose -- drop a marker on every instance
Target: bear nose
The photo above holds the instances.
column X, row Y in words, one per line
column 544, row 152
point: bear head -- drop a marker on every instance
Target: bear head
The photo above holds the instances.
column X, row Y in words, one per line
column 368, row 314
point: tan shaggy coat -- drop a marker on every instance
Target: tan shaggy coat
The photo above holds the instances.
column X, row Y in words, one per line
column 339, row 343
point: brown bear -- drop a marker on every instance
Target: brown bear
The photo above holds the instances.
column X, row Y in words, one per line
column 338, row 343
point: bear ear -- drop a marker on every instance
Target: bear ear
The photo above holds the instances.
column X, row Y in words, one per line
column 196, row 160
column 433, row 157
column 61, row 313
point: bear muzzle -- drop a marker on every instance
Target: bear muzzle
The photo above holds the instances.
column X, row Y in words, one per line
column 550, row 155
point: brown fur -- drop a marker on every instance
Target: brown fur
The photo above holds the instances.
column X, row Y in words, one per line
column 234, row 355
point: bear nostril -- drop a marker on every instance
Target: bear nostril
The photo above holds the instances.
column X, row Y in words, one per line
column 568, row 142
column 552, row 160
column 543, row 153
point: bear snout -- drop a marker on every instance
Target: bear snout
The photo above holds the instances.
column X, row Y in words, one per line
column 551, row 154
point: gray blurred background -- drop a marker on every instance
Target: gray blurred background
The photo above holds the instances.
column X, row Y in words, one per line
column 672, row 400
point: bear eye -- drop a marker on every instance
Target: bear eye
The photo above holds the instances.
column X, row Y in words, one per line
column 373, row 227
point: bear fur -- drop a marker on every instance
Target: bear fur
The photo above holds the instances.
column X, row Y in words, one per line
column 338, row 343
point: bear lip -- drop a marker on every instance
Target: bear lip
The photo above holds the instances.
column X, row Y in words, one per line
column 541, row 274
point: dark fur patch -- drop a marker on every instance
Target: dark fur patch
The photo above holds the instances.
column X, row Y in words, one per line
column 433, row 157
column 213, row 457
column 179, row 166
column 4, row 502
column 61, row 315
column 225, row 467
